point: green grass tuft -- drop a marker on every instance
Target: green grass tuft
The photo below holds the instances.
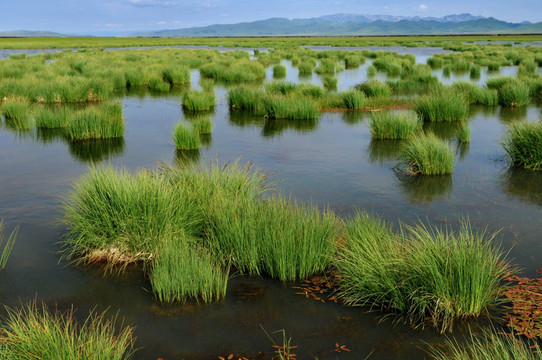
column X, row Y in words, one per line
column 374, row 88
column 293, row 108
column 393, row 125
column 444, row 105
column 488, row 346
column 186, row 137
column 426, row 154
column 422, row 272
column 182, row 271
column 353, row 99
column 279, row 71
column 514, row 94
column 34, row 332
column 194, row 100
column 103, row 121
column 523, row 144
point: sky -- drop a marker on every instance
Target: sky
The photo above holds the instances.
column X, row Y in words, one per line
column 95, row 17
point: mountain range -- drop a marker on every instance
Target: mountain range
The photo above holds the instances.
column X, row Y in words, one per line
column 336, row 24
column 355, row 24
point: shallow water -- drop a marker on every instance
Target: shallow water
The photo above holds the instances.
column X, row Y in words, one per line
column 330, row 161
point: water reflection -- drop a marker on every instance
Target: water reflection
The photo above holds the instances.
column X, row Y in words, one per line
column 384, row 151
column 49, row 136
column 275, row 127
column 512, row 114
column 424, row 189
column 245, row 119
column 186, row 157
column 462, row 149
column 92, row 151
column 444, row 130
column 353, row 117
column 523, row 184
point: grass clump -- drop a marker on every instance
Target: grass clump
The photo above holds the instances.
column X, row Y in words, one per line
column 245, row 98
column 279, row 71
column 422, row 272
column 186, row 137
column 52, row 118
column 194, row 100
column 488, row 346
column 183, row 271
column 393, row 125
column 353, row 99
column 426, row 154
column 203, row 124
column 514, row 94
column 34, row 332
column 179, row 75
column 374, row 88
column 477, row 95
column 103, row 121
column 305, row 68
column 444, row 105
column 523, row 144
column 330, row 82
column 120, row 218
column 276, row 237
column 462, row 133
column 284, row 107
column 17, row 112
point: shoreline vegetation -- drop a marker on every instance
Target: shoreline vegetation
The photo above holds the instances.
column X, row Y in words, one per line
column 218, row 218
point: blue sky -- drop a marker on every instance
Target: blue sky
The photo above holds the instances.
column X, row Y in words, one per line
column 120, row 16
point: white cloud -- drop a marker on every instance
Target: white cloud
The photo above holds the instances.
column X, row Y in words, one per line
column 113, row 25
column 161, row 23
column 150, row 3
column 423, row 7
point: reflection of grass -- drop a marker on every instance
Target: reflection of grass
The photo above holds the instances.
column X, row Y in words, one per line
column 425, row 188
column 523, row 184
column 93, row 151
column 274, row 127
column 384, row 151
column 512, row 114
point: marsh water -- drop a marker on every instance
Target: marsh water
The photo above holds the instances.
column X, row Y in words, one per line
column 331, row 161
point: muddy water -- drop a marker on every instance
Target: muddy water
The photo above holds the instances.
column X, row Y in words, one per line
column 330, row 161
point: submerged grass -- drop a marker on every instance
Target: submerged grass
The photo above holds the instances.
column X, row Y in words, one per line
column 523, row 145
column 393, row 125
column 427, row 154
column 33, row 332
column 186, row 136
column 422, row 272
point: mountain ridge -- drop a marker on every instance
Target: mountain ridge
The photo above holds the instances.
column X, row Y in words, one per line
column 355, row 24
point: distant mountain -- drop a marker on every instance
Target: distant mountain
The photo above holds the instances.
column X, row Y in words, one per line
column 353, row 24
column 346, row 18
column 25, row 33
